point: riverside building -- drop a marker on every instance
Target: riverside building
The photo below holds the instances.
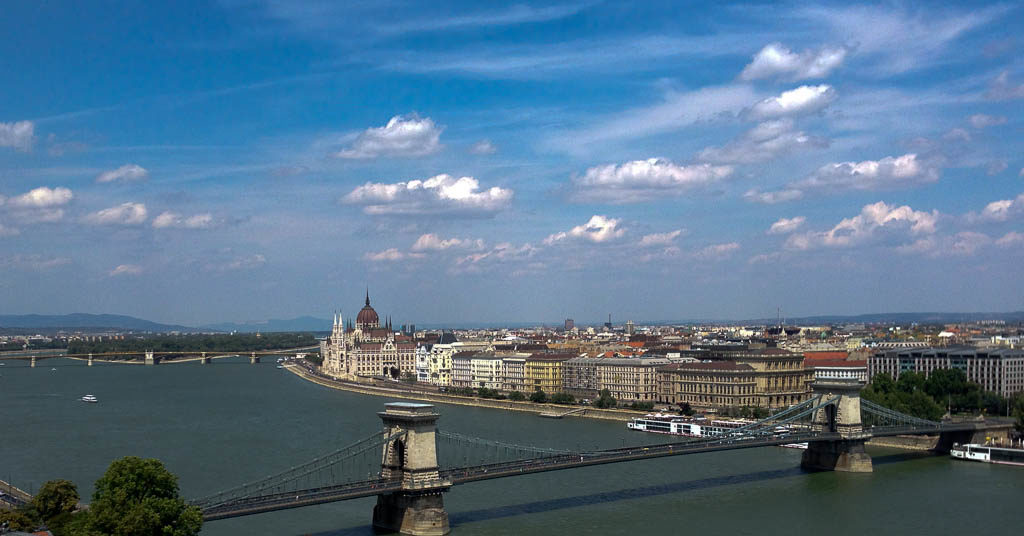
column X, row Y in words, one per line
column 367, row 348
column 997, row 370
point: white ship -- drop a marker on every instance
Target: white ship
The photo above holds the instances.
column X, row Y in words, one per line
column 988, row 454
column 90, row 399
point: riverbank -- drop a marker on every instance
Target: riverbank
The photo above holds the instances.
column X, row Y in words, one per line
column 507, row 405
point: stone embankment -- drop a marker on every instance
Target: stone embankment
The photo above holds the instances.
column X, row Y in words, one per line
column 441, row 398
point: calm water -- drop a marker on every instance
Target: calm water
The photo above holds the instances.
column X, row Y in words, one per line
column 230, row 422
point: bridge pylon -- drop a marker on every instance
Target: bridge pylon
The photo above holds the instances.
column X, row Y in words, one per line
column 90, row 359
column 418, row 509
column 150, row 358
column 841, row 417
column 203, row 359
column 253, row 358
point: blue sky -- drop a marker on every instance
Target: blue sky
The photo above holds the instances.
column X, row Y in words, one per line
column 240, row 160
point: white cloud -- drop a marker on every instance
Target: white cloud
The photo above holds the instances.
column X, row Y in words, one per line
column 33, row 262
column 771, row 198
column 717, row 251
column 125, row 173
column 172, row 219
column 123, row 214
column 431, row 242
column 1003, row 89
column 660, row 239
column 643, row 180
column 1012, row 238
column 247, row 262
column 41, row 204
column 961, row 244
column 983, row 121
column 765, row 141
column 19, row 135
column 887, row 173
column 995, row 167
column 872, row 220
column 786, row 225
column 503, row 254
column 775, row 60
column 401, row 136
column 800, row 101
column 599, row 229
column 1001, row 210
column 126, row 269
column 483, row 147
column 442, row 194
column 388, row 255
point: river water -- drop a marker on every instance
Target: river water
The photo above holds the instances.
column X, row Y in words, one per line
column 230, row 422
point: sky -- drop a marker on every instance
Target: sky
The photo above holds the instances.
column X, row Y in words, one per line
column 238, row 160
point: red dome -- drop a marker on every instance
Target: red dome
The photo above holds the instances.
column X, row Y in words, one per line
column 367, row 316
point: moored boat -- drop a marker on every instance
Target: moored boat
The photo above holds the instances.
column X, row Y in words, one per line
column 90, row 399
column 988, row 454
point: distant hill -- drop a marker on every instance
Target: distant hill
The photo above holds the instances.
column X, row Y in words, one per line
column 902, row 318
column 302, row 323
column 87, row 321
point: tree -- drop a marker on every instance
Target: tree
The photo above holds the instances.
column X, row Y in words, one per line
column 139, row 497
column 685, row 408
column 562, row 398
column 605, row 399
column 54, row 498
column 517, row 396
column 539, row 396
column 910, row 382
column 15, row 520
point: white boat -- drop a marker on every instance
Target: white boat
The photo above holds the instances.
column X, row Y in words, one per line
column 280, row 366
column 684, row 426
column 988, row 454
column 90, row 399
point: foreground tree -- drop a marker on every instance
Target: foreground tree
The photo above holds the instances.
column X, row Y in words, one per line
column 139, row 497
column 54, row 498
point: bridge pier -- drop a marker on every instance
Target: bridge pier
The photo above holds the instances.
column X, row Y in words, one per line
column 32, row 363
column 203, row 359
column 253, row 358
column 418, row 509
column 89, row 363
column 150, row 358
column 846, row 454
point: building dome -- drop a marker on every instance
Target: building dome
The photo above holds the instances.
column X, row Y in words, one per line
column 367, row 317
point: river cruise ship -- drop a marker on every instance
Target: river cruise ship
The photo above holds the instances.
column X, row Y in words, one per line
column 988, row 454
column 684, row 426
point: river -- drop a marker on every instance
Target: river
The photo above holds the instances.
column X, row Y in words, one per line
column 230, row 422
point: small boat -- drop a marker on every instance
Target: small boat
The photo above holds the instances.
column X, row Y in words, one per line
column 53, row 370
column 280, row 366
column 90, row 399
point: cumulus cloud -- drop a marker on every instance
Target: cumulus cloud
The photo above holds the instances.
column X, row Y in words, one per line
column 388, row 255
column 717, row 251
column 19, row 135
column 168, row 219
column 401, row 136
column 41, row 204
column 1001, row 210
column 887, row 173
column 660, row 239
column 776, row 60
column 503, row 254
column 873, row 220
column 597, row 230
column 765, row 141
column 643, row 180
column 483, row 147
column 771, row 198
column 961, row 244
column 126, row 269
column 442, row 194
column 1003, row 89
column 1012, row 238
column 786, row 225
column 123, row 214
column 983, row 121
column 795, row 102
column 125, row 173
column 431, row 242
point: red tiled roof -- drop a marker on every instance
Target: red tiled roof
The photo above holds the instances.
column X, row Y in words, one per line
column 814, row 356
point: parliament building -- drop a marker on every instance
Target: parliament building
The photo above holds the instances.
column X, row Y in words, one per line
column 366, row 348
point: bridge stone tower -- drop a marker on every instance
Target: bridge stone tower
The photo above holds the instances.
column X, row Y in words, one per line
column 842, row 417
column 418, row 509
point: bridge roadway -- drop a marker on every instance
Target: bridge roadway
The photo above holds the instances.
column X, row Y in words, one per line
column 12, row 497
column 463, row 475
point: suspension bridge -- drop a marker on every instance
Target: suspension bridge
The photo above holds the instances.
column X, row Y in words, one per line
column 411, row 463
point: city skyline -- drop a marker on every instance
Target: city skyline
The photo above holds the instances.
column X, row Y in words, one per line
column 240, row 160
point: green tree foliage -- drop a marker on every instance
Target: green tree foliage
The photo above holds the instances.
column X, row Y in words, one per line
column 539, row 396
column 517, row 396
column 605, row 399
column 641, row 406
column 905, row 396
column 484, row 392
column 563, row 398
column 239, row 342
column 54, row 498
column 16, row 520
column 139, row 497
column 686, row 409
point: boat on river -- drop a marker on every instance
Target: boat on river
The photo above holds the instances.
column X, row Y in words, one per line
column 91, row 399
column 988, row 454
column 685, row 426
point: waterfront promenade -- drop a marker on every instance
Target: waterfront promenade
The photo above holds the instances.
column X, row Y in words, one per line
column 398, row 391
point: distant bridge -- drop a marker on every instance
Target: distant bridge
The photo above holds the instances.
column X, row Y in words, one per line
column 410, row 464
column 150, row 357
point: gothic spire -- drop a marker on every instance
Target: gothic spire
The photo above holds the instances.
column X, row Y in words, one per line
column 367, row 296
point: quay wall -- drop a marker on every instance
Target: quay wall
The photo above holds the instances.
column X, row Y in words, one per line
column 507, row 405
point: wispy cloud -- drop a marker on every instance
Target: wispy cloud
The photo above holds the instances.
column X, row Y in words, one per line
column 401, row 136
